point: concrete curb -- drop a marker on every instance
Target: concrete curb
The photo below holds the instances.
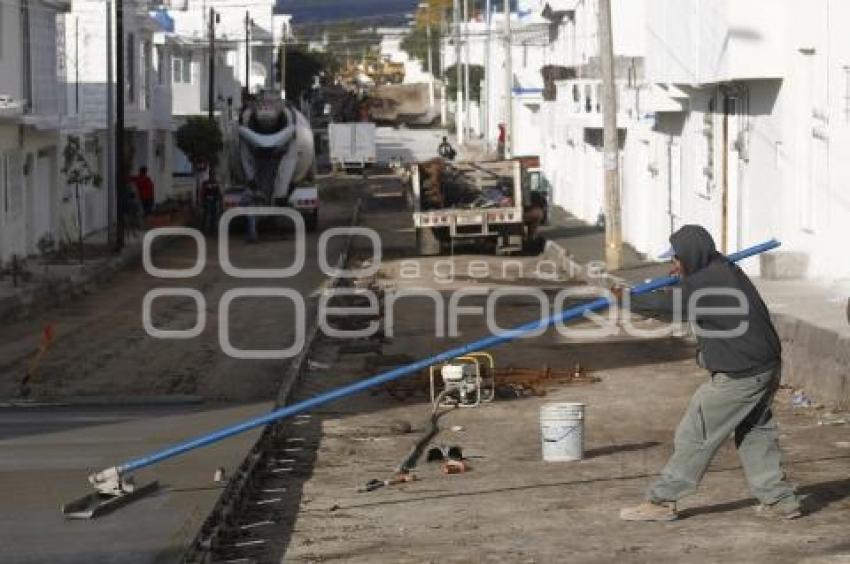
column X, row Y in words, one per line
column 815, row 359
column 106, row 401
column 574, row 270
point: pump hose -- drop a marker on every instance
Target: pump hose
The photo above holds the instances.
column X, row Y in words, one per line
column 409, row 461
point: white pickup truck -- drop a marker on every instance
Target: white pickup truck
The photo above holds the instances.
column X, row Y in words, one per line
column 352, row 145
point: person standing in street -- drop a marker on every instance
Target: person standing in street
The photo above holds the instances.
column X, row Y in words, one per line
column 742, row 354
column 211, row 198
column 145, row 188
column 446, row 150
column 250, row 199
column 500, row 147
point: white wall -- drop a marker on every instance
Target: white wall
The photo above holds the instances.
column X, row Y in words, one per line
column 782, row 170
column 10, row 50
column 699, row 42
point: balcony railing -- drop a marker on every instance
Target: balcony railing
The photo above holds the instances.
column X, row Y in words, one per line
column 583, row 98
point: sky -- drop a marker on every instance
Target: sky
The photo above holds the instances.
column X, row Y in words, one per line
column 309, row 11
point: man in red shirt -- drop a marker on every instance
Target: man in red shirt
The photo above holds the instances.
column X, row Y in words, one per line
column 144, row 185
column 501, row 142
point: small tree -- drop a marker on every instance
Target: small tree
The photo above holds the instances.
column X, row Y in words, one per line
column 415, row 44
column 201, row 141
column 476, row 75
column 77, row 170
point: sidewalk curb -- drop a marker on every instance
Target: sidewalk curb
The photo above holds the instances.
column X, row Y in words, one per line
column 105, row 401
column 575, row 270
column 815, row 359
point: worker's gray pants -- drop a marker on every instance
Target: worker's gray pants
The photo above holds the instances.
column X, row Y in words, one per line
column 720, row 407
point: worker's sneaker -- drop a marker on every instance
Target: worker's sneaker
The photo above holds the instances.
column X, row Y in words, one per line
column 787, row 510
column 650, row 511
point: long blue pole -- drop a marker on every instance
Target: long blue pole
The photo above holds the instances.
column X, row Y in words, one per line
column 396, row 373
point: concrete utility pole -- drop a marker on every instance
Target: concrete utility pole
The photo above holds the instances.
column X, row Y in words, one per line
column 247, row 89
column 467, row 93
column 211, row 73
column 112, row 235
column 459, row 77
column 613, row 228
column 430, row 61
column 509, row 86
column 486, row 97
column 283, row 66
column 120, row 165
column 427, row 7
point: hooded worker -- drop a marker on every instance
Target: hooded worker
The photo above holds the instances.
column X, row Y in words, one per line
column 738, row 345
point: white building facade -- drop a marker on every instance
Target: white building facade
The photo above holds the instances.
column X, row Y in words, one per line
column 53, row 60
column 31, row 109
column 734, row 115
column 757, row 150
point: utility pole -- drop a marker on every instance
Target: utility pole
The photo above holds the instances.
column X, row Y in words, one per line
column 120, row 164
column 110, row 134
column 613, row 228
column 466, row 91
column 427, row 7
column 283, row 67
column 211, row 73
column 509, row 86
column 459, row 77
column 430, row 62
column 247, row 88
column 486, row 107
column 443, row 101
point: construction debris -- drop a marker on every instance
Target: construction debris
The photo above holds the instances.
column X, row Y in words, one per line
column 400, row 478
column 510, row 382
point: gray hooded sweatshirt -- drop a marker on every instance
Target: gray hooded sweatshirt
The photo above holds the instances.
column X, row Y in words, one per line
column 756, row 346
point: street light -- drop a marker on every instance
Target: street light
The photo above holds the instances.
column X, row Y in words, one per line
column 427, row 7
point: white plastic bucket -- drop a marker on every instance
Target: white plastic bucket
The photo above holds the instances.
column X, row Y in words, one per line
column 562, row 431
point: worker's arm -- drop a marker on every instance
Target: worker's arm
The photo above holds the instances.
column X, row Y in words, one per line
column 660, row 304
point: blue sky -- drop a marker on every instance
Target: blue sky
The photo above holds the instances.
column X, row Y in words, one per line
column 307, row 11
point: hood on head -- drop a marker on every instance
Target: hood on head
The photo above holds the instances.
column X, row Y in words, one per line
column 694, row 247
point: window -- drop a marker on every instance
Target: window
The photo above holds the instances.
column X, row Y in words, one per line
column 181, row 68
column 146, row 74
column 131, row 67
column 187, row 69
column 12, row 183
column 159, row 61
column 176, row 68
column 846, row 92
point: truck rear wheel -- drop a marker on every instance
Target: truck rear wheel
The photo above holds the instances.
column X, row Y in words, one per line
column 427, row 244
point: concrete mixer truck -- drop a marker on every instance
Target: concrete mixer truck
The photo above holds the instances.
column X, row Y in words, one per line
column 273, row 156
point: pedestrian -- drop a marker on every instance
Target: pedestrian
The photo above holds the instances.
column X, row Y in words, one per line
column 145, row 189
column 211, row 198
column 446, row 150
column 500, row 147
column 249, row 199
column 742, row 354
